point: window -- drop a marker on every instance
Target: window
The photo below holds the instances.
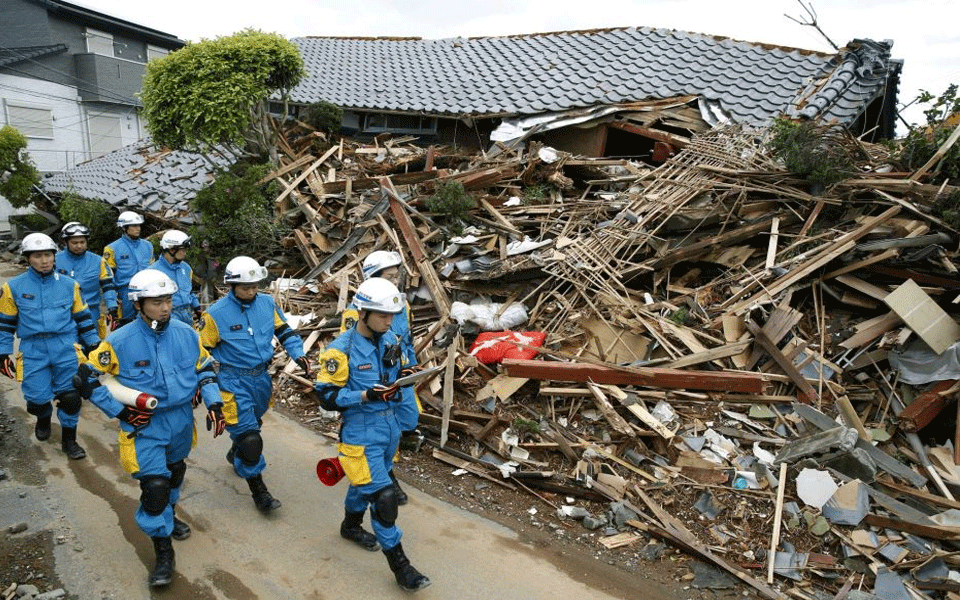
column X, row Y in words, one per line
column 416, row 124
column 156, row 52
column 99, row 42
column 31, row 121
column 104, row 131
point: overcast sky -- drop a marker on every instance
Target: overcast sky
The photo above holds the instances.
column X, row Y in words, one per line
column 925, row 33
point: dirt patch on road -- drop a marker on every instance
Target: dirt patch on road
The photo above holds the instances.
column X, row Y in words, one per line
column 26, row 557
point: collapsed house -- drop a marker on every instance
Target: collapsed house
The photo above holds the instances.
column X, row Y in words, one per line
column 605, row 92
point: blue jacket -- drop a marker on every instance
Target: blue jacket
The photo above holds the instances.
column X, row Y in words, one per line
column 182, row 275
column 240, row 334
column 127, row 257
column 33, row 304
column 167, row 364
column 352, row 364
column 92, row 273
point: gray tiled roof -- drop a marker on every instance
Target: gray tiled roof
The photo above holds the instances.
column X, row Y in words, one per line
column 11, row 56
column 140, row 176
column 530, row 74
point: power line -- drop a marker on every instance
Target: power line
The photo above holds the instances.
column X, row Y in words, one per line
column 94, row 89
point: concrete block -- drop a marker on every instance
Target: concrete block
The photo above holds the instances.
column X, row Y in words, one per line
column 889, row 586
column 855, row 464
column 848, row 505
column 843, row 438
column 815, row 487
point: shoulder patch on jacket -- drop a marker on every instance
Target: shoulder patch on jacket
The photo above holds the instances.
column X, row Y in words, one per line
column 104, row 358
column 332, row 365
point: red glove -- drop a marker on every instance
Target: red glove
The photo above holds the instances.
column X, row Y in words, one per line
column 215, row 420
column 113, row 319
column 7, row 366
column 383, row 393
column 304, row 363
column 134, row 416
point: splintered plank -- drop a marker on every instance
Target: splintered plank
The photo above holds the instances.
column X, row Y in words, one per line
column 609, row 413
column 722, row 381
column 923, row 316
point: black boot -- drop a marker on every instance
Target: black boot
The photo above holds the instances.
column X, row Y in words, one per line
column 68, row 442
column 162, row 573
column 408, row 578
column 261, row 495
column 181, row 530
column 231, row 453
column 351, row 529
column 42, row 428
column 401, row 495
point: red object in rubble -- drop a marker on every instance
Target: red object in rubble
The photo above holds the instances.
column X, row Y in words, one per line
column 493, row 346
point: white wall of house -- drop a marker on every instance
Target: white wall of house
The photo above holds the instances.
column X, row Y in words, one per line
column 50, row 116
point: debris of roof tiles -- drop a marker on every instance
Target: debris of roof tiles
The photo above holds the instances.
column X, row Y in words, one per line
column 141, row 176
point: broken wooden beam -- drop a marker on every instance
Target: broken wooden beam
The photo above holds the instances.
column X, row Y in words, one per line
column 925, row 407
column 720, row 381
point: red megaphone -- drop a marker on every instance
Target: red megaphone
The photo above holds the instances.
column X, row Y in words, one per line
column 329, row 471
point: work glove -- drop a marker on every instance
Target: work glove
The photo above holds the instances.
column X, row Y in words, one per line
column 7, row 366
column 408, row 371
column 383, row 393
column 86, row 380
column 196, row 400
column 215, row 420
column 113, row 318
column 135, row 416
column 197, row 312
column 304, row 363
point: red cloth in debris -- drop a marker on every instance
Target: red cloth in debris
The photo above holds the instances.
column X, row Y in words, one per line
column 493, row 346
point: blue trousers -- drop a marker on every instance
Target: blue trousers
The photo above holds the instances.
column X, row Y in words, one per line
column 47, row 368
column 167, row 439
column 369, row 440
column 246, row 398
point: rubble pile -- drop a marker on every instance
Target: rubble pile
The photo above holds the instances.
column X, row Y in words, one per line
column 755, row 370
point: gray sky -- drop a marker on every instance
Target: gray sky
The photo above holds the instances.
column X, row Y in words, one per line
column 925, row 33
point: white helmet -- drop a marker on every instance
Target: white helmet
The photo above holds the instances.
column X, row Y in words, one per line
column 243, row 269
column 377, row 261
column 150, row 283
column 174, row 239
column 37, row 242
column 379, row 295
column 74, row 229
column 128, row 217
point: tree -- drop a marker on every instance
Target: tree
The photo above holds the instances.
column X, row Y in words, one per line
column 17, row 173
column 217, row 93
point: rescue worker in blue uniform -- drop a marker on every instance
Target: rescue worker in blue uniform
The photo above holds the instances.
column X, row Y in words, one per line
column 127, row 256
column 171, row 263
column 46, row 311
column 386, row 264
column 90, row 271
column 163, row 357
column 238, row 330
column 357, row 376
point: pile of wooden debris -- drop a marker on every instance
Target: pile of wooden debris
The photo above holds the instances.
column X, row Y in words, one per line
column 738, row 362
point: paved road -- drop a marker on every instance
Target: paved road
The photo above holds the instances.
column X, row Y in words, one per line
column 236, row 553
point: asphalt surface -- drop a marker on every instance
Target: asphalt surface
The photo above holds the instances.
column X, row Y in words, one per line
column 236, row 552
